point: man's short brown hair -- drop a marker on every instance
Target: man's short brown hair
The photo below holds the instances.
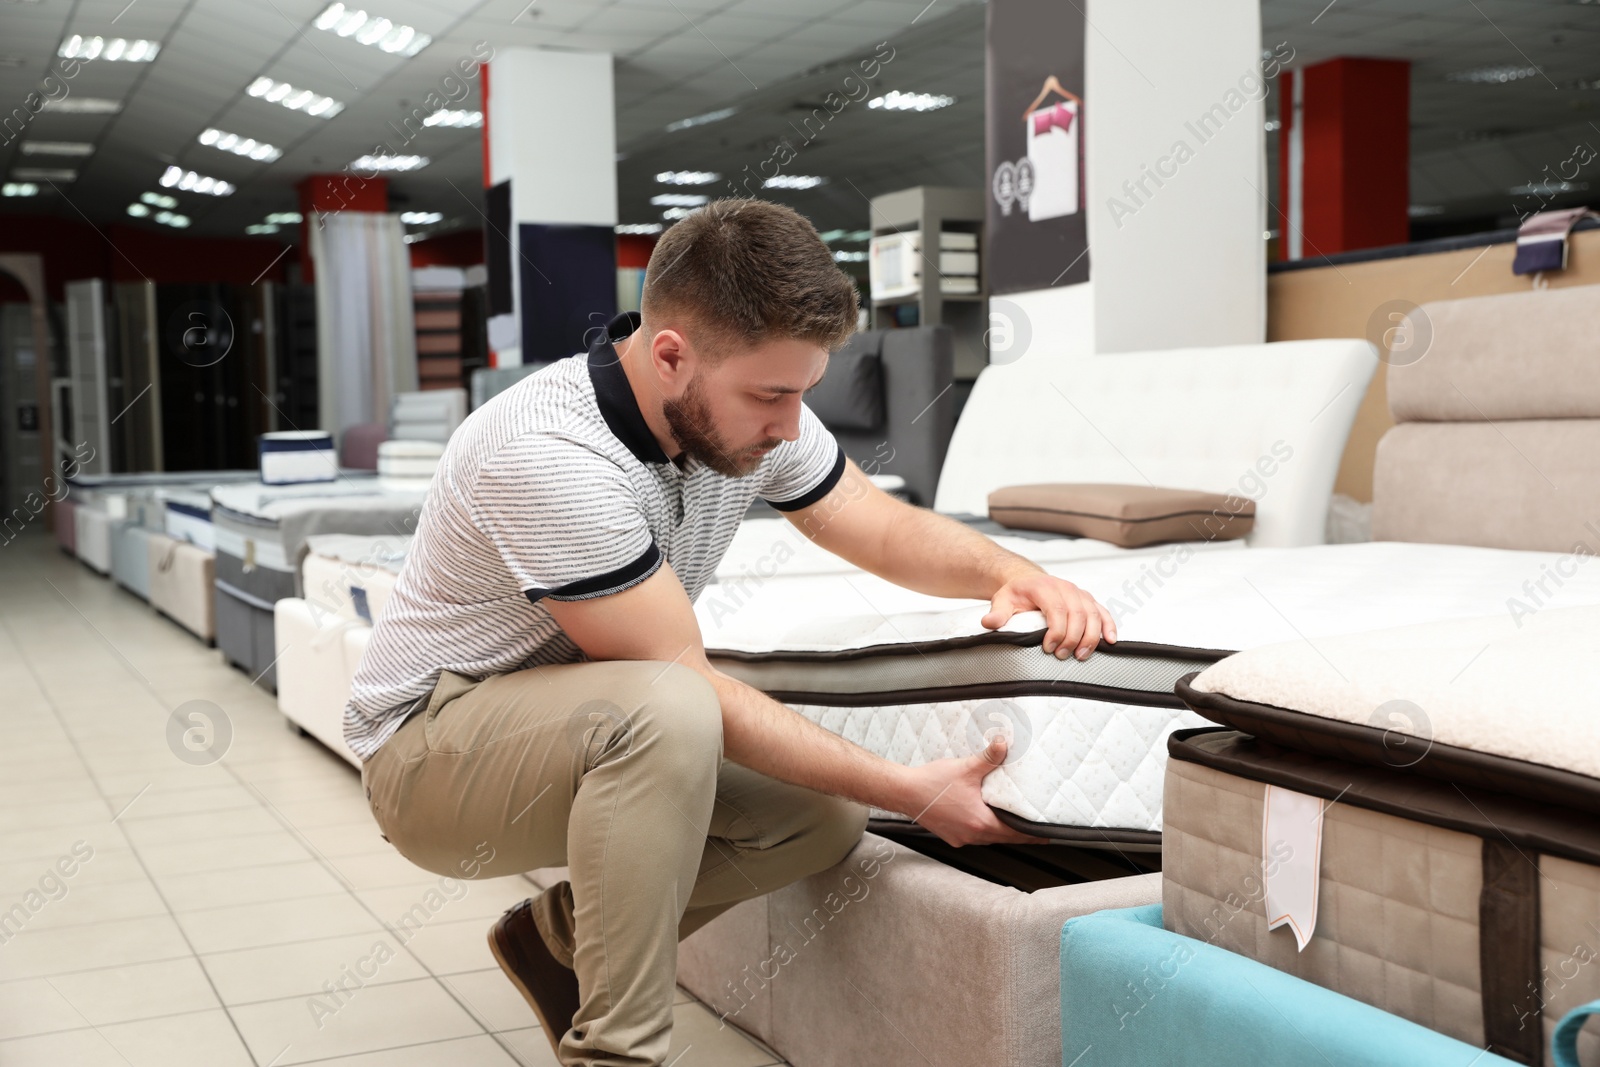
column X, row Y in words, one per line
column 745, row 272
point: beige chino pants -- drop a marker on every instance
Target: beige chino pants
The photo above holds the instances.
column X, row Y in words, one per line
column 614, row 770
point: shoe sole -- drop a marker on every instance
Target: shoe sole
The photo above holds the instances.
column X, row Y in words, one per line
column 500, row 957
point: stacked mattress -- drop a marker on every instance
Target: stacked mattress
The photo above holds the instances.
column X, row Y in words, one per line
column 261, row 533
column 913, row 680
column 1452, row 771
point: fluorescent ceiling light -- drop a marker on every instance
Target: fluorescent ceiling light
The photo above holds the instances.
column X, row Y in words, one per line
column 898, row 101
column 44, row 174
column 112, row 48
column 281, row 217
column 848, row 237
column 672, row 214
column 82, row 105
column 639, row 227
column 678, row 200
column 19, row 189
column 390, row 163
column 138, row 211
column 457, row 119
column 190, row 182
column 1538, row 188
column 701, row 120
column 261, row 227
column 849, row 257
column 57, row 148
column 371, row 30
column 1492, row 75
column 421, row 218
column 276, row 92
column 158, row 199
column 167, row 218
column 793, row 181
column 248, row 147
column 688, row 177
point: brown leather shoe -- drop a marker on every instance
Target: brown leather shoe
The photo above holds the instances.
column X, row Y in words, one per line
column 550, row 989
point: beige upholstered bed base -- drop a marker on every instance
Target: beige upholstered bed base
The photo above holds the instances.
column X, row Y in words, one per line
column 1401, row 910
column 894, row 958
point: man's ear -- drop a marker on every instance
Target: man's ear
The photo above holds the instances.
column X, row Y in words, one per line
column 671, row 357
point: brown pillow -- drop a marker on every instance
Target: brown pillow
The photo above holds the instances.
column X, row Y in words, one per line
column 1126, row 515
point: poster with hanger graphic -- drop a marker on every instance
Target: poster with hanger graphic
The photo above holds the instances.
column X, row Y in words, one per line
column 1035, row 227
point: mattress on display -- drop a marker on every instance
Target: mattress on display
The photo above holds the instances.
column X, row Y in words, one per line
column 772, row 547
column 914, row 679
column 1454, row 772
column 186, row 516
column 261, row 533
column 92, row 541
column 351, row 576
column 130, row 558
column 182, row 584
column 317, row 655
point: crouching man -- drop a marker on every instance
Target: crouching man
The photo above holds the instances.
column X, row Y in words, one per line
column 536, row 693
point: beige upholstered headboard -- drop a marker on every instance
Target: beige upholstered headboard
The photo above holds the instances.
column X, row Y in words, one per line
column 1497, row 424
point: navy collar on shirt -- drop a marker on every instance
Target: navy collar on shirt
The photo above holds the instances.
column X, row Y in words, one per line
column 615, row 396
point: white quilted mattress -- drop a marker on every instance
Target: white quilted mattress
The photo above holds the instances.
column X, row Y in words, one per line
column 352, row 575
column 840, row 648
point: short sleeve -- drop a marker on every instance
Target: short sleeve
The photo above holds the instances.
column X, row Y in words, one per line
column 801, row 472
column 564, row 518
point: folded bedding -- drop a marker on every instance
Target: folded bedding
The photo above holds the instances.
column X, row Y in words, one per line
column 916, row 678
column 1452, row 771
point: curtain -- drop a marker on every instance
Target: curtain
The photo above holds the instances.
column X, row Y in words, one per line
column 366, row 331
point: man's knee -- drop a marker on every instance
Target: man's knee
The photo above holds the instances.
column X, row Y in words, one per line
column 840, row 824
column 676, row 709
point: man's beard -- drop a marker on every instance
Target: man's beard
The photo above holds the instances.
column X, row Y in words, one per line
column 689, row 419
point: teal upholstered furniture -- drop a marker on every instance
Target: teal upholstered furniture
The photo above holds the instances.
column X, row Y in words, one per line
column 1133, row 993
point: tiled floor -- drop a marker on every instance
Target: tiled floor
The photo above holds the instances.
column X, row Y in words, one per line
column 155, row 913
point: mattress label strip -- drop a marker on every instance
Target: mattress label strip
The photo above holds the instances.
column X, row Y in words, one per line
column 1291, row 841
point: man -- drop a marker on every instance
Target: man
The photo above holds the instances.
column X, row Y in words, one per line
column 536, row 692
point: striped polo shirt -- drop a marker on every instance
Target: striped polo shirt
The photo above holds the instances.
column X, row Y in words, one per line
column 555, row 490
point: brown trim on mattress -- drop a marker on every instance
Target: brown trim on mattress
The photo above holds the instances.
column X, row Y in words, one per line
column 1365, row 744
column 1077, row 836
column 1529, row 825
column 946, row 644
column 1033, row 687
column 1508, row 950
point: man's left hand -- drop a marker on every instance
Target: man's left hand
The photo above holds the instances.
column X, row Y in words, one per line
column 1074, row 620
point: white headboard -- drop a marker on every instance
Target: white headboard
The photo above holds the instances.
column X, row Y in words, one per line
column 1264, row 421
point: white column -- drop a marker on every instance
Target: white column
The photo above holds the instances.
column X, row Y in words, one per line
column 550, row 126
column 1176, row 186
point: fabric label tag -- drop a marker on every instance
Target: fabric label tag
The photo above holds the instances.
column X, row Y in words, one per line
column 1291, row 833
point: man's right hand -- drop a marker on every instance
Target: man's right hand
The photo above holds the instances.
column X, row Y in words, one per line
column 946, row 797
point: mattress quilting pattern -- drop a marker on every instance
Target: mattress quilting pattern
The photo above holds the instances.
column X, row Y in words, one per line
column 1073, row 762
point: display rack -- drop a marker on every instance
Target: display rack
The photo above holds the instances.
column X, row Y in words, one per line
column 905, row 218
